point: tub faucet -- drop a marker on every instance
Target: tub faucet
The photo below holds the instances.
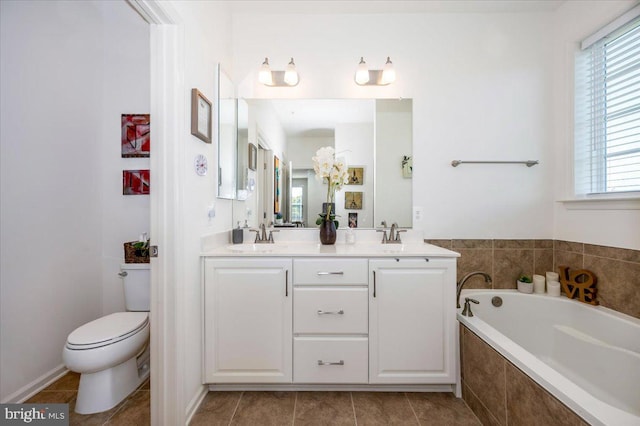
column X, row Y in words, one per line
column 487, row 279
column 467, row 307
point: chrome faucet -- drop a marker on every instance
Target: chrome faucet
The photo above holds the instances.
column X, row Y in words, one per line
column 394, row 233
column 487, row 279
column 261, row 235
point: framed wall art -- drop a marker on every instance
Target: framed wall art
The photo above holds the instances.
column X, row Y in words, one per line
column 353, row 200
column 407, row 166
column 135, row 182
column 356, row 175
column 353, row 220
column 201, row 111
column 135, row 141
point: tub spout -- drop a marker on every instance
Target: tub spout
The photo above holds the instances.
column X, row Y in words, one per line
column 487, row 279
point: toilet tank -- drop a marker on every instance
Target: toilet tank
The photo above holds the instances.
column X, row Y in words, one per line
column 136, row 278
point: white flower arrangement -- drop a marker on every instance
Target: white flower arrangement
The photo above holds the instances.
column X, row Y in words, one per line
column 335, row 172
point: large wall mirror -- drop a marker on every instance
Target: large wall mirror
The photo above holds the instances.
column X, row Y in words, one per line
column 227, row 128
column 374, row 136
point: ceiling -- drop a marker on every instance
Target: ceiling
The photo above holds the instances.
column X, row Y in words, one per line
column 390, row 6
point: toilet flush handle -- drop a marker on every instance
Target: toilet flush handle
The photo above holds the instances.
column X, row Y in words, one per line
column 122, row 274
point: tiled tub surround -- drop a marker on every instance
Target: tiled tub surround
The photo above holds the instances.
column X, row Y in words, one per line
column 521, row 359
column 617, row 269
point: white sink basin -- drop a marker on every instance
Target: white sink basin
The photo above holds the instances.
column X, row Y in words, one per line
column 256, row 248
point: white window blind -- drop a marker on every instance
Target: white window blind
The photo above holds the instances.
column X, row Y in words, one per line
column 607, row 113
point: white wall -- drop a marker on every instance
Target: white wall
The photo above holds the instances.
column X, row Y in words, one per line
column 69, row 69
column 574, row 21
column 206, row 27
column 481, row 85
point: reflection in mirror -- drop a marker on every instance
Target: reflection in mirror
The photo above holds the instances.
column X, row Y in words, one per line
column 243, row 150
column 374, row 137
column 226, row 137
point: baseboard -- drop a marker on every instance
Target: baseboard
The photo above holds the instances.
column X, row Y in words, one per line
column 193, row 406
column 36, row 386
column 332, row 387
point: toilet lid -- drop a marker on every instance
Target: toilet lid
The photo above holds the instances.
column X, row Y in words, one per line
column 109, row 328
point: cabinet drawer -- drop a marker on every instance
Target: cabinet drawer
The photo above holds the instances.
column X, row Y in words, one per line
column 330, row 310
column 330, row 360
column 330, row 271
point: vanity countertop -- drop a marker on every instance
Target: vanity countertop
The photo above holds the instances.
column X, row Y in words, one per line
column 312, row 249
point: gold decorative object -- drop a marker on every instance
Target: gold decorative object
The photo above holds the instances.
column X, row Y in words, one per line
column 580, row 284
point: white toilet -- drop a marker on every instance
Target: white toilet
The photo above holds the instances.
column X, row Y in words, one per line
column 112, row 352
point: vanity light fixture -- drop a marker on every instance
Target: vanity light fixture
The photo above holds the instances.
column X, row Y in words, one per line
column 366, row 77
column 287, row 78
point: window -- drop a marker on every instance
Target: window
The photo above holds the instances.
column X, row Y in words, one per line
column 296, row 204
column 607, row 110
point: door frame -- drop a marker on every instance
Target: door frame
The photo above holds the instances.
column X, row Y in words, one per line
column 167, row 126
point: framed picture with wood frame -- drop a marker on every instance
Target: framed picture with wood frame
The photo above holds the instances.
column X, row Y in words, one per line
column 201, row 111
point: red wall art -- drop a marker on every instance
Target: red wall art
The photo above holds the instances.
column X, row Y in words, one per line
column 135, row 135
column 135, row 182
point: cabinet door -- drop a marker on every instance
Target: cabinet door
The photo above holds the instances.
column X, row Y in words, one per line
column 247, row 321
column 411, row 321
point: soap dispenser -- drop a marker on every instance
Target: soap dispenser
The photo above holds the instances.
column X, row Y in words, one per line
column 237, row 235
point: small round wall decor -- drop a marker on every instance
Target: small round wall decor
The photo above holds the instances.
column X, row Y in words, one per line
column 201, row 165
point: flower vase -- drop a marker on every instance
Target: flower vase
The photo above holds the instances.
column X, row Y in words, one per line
column 328, row 232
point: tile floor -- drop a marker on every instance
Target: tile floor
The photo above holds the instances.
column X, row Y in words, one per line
column 333, row 408
column 135, row 410
column 278, row 408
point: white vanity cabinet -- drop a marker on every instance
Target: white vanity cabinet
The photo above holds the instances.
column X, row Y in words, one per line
column 330, row 321
column 411, row 321
column 311, row 321
column 247, row 320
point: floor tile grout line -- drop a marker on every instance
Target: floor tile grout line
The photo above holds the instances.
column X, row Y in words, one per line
column 412, row 409
column 353, row 406
column 295, row 402
column 236, row 408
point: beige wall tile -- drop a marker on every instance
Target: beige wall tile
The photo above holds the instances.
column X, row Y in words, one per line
column 476, row 244
column 613, row 253
column 486, row 418
column 472, row 260
column 618, row 283
column 508, row 264
column 565, row 258
column 503, row 244
column 542, row 261
column 484, row 374
column 530, row 404
column 543, row 244
column 568, row 246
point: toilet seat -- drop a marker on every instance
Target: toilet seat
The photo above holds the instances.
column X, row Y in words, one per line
column 107, row 330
